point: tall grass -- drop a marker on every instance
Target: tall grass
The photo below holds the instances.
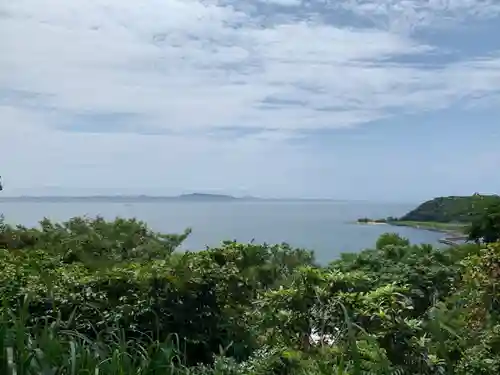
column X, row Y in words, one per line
column 54, row 350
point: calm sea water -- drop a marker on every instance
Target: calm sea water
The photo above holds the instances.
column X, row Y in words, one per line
column 325, row 227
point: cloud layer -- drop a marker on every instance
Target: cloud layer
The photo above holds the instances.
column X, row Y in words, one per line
column 203, row 73
column 181, row 65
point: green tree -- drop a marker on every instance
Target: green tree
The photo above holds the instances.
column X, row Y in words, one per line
column 486, row 228
column 391, row 239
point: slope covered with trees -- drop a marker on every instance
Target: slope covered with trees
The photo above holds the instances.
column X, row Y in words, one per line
column 94, row 297
column 453, row 209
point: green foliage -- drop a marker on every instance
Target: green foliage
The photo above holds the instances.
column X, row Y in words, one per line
column 92, row 240
column 391, row 239
column 452, row 209
column 484, row 357
column 95, row 297
column 486, row 226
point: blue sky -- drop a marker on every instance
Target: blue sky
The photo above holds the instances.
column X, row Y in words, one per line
column 348, row 99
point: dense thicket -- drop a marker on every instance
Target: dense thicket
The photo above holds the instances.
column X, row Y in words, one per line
column 486, row 226
column 95, row 297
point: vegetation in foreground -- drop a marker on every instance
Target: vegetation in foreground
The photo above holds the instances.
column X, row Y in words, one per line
column 94, row 297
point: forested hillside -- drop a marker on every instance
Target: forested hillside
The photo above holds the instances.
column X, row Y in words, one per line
column 453, row 209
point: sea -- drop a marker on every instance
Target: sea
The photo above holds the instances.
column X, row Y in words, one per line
column 328, row 228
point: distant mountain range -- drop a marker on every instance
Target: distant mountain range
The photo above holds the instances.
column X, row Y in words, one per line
column 212, row 197
column 194, row 197
column 183, row 197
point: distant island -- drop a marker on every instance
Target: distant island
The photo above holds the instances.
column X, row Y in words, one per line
column 129, row 198
column 203, row 196
column 451, row 214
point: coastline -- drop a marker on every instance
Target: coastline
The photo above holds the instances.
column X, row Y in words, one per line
column 454, row 233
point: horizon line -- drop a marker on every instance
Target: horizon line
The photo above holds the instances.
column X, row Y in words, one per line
column 196, row 196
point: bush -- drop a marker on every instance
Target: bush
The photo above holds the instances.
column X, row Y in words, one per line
column 391, row 239
column 90, row 295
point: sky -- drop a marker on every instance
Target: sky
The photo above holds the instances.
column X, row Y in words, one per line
column 380, row 100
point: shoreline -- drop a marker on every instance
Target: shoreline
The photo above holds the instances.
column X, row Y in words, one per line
column 454, row 233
